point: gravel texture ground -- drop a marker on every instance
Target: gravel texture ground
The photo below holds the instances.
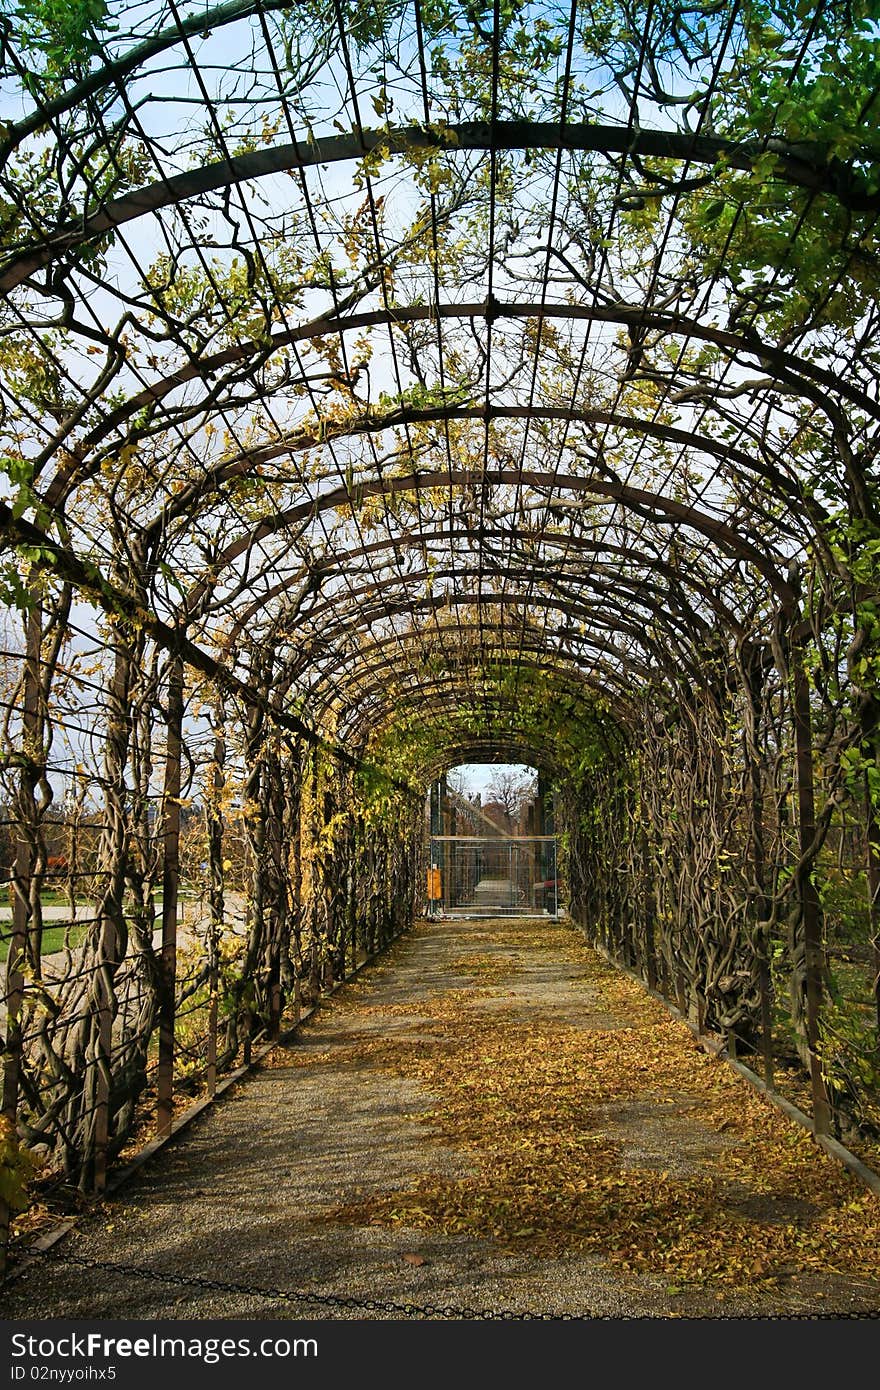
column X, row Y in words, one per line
column 255, row 1191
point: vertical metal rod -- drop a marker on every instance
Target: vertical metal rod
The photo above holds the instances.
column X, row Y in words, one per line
column 650, row 898
column 20, row 902
column 279, row 906
column 102, row 1063
column 211, row 1059
column 753, row 671
column 216, row 890
column 110, row 942
column 872, row 862
column 275, row 1008
column 811, row 911
column 873, row 877
column 170, row 886
column 765, row 985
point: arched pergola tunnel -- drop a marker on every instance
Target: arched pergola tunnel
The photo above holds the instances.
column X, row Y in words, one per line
column 535, row 418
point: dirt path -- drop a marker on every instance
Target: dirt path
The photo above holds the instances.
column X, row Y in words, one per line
column 489, row 1118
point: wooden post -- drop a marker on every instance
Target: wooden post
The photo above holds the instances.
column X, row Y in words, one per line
column 170, row 886
column 811, row 910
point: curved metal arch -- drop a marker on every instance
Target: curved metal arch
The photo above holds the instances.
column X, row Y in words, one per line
column 598, row 684
column 441, row 707
column 670, row 511
column 364, row 722
column 446, row 477
column 535, row 636
column 645, row 594
column 510, row 750
column 84, row 576
column 785, row 366
column 322, row 694
column 400, row 417
column 337, row 563
column 423, row 693
column 443, row 704
column 468, row 664
column 609, row 667
column 823, row 176
column 563, row 662
column 503, row 600
column 504, row 750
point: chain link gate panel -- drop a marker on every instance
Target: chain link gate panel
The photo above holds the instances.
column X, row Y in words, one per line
column 476, row 876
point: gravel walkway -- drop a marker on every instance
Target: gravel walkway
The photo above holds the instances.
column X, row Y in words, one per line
column 251, row 1193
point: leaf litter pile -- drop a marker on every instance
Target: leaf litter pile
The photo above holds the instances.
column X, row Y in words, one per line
column 530, row 1098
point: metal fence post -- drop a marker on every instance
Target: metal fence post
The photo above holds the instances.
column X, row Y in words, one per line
column 811, row 911
column 170, row 887
column 24, row 866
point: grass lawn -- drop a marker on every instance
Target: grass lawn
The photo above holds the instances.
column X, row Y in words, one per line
column 53, row 938
column 53, row 932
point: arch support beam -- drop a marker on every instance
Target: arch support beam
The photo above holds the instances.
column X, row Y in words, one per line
column 803, row 165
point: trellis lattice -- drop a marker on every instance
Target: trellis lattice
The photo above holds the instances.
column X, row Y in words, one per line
column 385, row 387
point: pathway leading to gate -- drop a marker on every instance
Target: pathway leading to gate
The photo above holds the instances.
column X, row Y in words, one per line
column 491, row 1117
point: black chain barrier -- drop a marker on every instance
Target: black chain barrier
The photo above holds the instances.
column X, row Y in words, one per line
column 372, row 1305
column 409, row 1310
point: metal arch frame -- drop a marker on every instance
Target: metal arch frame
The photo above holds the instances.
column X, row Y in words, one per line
column 671, row 511
column 733, row 545
column 328, row 566
column 748, row 548
column 803, row 166
column 564, row 664
column 173, row 639
column 800, row 375
column 86, row 577
column 354, row 662
column 819, row 176
column 513, row 600
column 496, row 632
column 645, row 594
column 65, row 481
column 429, row 695
column 445, row 702
column 357, row 668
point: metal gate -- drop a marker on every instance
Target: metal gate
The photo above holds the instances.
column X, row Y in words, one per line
column 474, row 876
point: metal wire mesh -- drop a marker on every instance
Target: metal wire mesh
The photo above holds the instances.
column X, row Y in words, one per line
column 500, row 877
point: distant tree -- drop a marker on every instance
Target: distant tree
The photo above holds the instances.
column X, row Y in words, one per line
column 511, row 790
column 457, row 782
